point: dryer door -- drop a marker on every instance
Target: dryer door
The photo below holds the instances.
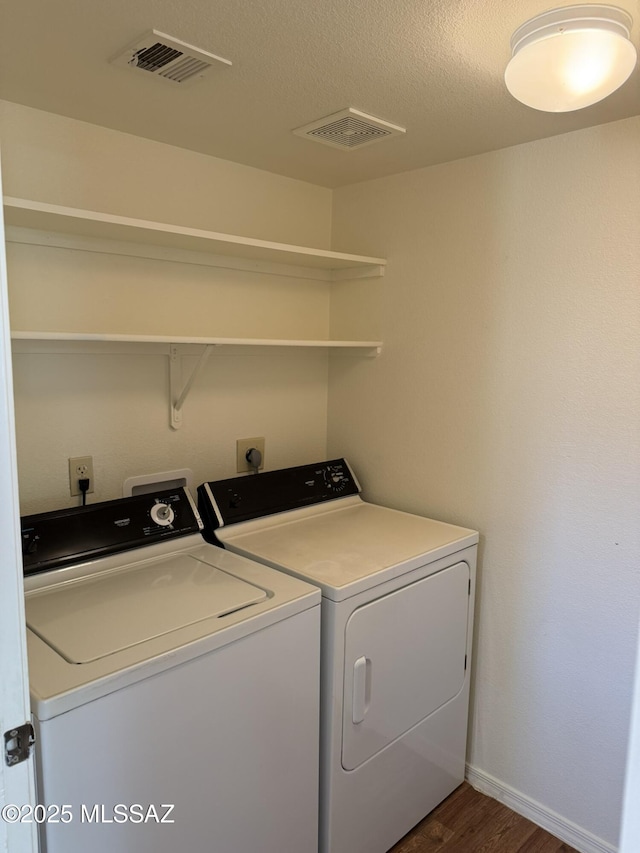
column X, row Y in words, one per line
column 404, row 659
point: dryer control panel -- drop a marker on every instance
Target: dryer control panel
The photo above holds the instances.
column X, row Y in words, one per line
column 51, row 540
column 223, row 502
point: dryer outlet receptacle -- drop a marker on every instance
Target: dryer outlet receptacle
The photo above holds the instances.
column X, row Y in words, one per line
column 243, row 446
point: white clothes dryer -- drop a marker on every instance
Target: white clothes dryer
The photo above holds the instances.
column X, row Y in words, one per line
column 165, row 712
column 397, row 617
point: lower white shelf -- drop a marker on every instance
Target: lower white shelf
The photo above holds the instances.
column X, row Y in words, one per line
column 177, row 339
column 179, row 388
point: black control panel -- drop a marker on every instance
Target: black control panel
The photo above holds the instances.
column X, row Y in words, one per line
column 223, row 502
column 51, row 540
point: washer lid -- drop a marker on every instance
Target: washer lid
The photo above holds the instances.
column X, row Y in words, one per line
column 87, row 619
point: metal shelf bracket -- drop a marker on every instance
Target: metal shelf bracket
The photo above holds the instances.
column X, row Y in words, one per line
column 177, row 394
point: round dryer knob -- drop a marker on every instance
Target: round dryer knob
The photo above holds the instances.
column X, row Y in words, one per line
column 162, row 514
column 334, row 479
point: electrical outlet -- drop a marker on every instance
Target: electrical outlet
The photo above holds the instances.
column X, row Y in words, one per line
column 242, row 446
column 80, row 467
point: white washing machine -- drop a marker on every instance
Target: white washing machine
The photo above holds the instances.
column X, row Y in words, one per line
column 397, row 616
column 165, row 711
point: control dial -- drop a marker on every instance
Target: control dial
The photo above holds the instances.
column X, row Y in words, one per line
column 162, row 514
column 335, row 479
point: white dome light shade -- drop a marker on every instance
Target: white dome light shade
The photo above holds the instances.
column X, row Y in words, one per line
column 570, row 58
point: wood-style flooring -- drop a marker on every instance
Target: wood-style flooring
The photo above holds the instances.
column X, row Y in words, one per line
column 470, row 822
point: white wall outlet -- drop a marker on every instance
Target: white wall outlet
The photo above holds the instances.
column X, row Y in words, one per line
column 243, row 445
column 80, row 468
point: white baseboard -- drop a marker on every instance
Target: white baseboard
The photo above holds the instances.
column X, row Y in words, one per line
column 554, row 823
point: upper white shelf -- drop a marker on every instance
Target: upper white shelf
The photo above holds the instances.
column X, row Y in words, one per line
column 39, row 216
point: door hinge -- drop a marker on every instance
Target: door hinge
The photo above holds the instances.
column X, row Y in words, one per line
column 18, row 743
column 465, row 663
column 469, row 586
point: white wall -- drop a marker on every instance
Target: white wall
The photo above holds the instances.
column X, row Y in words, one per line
column 115, row 408
column 51, row 158
column 74, row 401
column 507, row 399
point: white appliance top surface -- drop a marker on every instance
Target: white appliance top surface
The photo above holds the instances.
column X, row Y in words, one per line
column 98, row 626
column 346, row 546
column 91, row 617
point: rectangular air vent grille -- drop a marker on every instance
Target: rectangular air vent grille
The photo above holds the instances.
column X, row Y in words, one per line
column 155, row 57
column 349, row 129
column 349, row 132
column 168, row 58
column 182, row 71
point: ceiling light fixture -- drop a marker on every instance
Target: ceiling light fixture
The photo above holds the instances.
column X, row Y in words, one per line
column 570, row 58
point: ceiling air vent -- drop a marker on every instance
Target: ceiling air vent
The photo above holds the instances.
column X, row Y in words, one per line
column 168, row 58
column 349, row 129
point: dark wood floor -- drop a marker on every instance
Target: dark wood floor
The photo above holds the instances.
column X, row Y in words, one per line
column 470, row 822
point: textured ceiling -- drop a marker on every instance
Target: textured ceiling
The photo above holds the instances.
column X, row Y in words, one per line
column 432, row 66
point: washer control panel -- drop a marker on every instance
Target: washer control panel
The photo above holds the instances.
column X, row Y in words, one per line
column 223, row 502
column 51, row 540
